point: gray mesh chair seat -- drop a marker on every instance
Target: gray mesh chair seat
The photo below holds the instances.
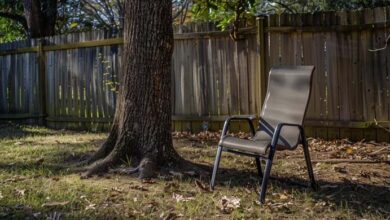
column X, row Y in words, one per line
column 280, row 124
column 258, row 147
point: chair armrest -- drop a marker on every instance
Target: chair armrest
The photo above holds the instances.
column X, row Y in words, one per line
column 247, row 118
column 279, row 127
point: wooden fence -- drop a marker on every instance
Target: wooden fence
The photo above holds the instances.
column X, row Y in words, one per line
column 351, row 87
column 69, row 80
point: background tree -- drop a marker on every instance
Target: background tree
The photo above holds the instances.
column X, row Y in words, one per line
column 41, row 17
column 232, row 14
column 180, row 9
column 37, row 18
column 141, row 132
column 86, row 15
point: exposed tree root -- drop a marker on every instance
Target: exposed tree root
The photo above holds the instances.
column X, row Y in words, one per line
column 125, row 171
column 106, row 148
column 102, row 152
column 146, row 169
column 101, row 166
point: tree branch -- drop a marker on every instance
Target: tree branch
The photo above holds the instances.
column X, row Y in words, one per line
column 383, row 48
column 285, row 6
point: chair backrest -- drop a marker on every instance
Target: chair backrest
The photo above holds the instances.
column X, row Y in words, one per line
column 286, row 101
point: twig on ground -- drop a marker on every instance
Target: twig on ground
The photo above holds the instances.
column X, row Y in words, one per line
column 378, row 151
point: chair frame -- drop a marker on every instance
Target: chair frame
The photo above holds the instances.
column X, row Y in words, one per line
column 263, row 178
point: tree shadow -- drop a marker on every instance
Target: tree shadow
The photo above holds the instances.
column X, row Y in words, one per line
column 9, row 131
column 358, row 197
column 45, row 169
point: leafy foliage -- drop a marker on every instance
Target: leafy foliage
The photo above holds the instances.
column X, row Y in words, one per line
column 233, row 12
column 84, row 15
column 224, row 13
column 10, row 30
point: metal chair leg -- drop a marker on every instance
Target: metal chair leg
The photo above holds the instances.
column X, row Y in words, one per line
column 309, row 166
column 216, row 165
column 267, row 172
column 258, row 165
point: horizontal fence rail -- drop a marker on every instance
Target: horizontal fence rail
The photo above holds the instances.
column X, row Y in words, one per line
column 70, row 80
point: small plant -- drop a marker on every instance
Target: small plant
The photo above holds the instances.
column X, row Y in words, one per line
column 110, row 79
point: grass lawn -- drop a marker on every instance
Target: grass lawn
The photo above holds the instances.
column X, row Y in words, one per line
column 38, row 181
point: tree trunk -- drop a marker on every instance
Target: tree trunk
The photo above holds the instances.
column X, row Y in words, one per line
column 142, row 126
column 41, row 17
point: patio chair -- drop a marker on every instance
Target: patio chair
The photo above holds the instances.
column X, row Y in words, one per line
column 280, row 124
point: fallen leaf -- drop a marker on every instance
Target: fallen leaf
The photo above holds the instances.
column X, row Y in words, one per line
column 170, row 187
column 365, row 174
column 283, row 197
column 349, row 150
column 117, row 189
column 201, row 186
column 228, row 204
column 340, row 169
column 279, row 206
column 20, row 192
column 37, row 214
column 39, row 161
column 53, row 204
column 181, row 198
column 170, row 216
column 15, row 179
column 90, row 206
column 148, row 181
column 141, row 188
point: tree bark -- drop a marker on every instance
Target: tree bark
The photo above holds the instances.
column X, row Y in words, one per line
column 142, row 124
column 41, row 16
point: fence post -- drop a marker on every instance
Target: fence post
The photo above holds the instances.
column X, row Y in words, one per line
column 261, row 40
column 42, row 82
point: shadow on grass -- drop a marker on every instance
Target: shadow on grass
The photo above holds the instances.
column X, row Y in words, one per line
column 27, row 212
column 14, row 131
column 359, row 198
column 38, row 170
